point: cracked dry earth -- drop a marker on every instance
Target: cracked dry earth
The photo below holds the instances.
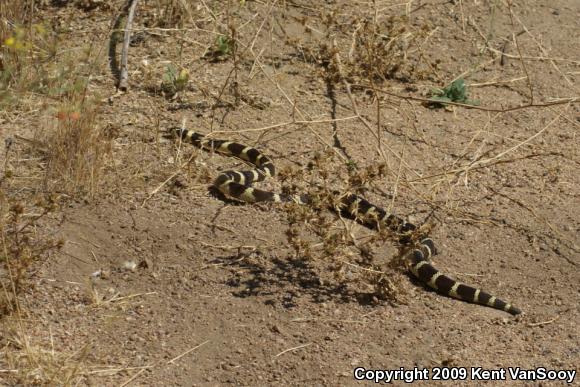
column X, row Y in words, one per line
column 165, row 283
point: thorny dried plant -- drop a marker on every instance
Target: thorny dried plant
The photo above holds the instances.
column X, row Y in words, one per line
column 390, row 48
column 318, row 231
column 21, row 246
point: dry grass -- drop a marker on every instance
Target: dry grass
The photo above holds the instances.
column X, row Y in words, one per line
column 38, row 75
column 61, row 158
column 22, row 245
column 76, row 152
column 29, row 360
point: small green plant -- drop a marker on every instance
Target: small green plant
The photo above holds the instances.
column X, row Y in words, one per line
column 455, row 92
column 351, row 165
column 174, row 81
column 224, row 45
column 222, row 49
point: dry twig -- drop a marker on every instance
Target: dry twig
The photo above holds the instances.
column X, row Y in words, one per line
column 131, row 5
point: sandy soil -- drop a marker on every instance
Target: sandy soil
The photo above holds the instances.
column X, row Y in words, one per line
column 162, row 282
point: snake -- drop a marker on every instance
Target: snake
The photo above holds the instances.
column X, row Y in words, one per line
column 417, row 252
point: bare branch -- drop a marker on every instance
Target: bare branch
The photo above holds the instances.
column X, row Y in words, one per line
column 131, row 5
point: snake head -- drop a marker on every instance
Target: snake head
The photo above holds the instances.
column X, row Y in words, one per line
column 174, row 131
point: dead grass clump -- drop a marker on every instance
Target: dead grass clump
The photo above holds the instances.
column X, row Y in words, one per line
column 75, row 153
column 27, row 362
column 10, row 11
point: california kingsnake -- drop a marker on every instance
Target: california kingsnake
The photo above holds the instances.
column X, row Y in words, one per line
column 237, row 184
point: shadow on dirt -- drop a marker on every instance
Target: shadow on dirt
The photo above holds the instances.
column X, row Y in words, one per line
column 289, row 280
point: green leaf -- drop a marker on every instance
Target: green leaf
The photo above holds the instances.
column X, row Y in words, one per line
column 455, row 92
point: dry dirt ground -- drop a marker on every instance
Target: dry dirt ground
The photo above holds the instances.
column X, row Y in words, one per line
column 160, row 281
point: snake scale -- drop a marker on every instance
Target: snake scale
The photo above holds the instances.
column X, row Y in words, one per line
column 238, row 185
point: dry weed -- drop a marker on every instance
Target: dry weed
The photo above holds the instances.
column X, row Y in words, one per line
column 36, row 74
column 76, row 151
column 27, row 361
column 62, row 154
column 21, row 246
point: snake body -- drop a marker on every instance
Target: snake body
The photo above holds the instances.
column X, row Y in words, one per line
column 417, row 255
